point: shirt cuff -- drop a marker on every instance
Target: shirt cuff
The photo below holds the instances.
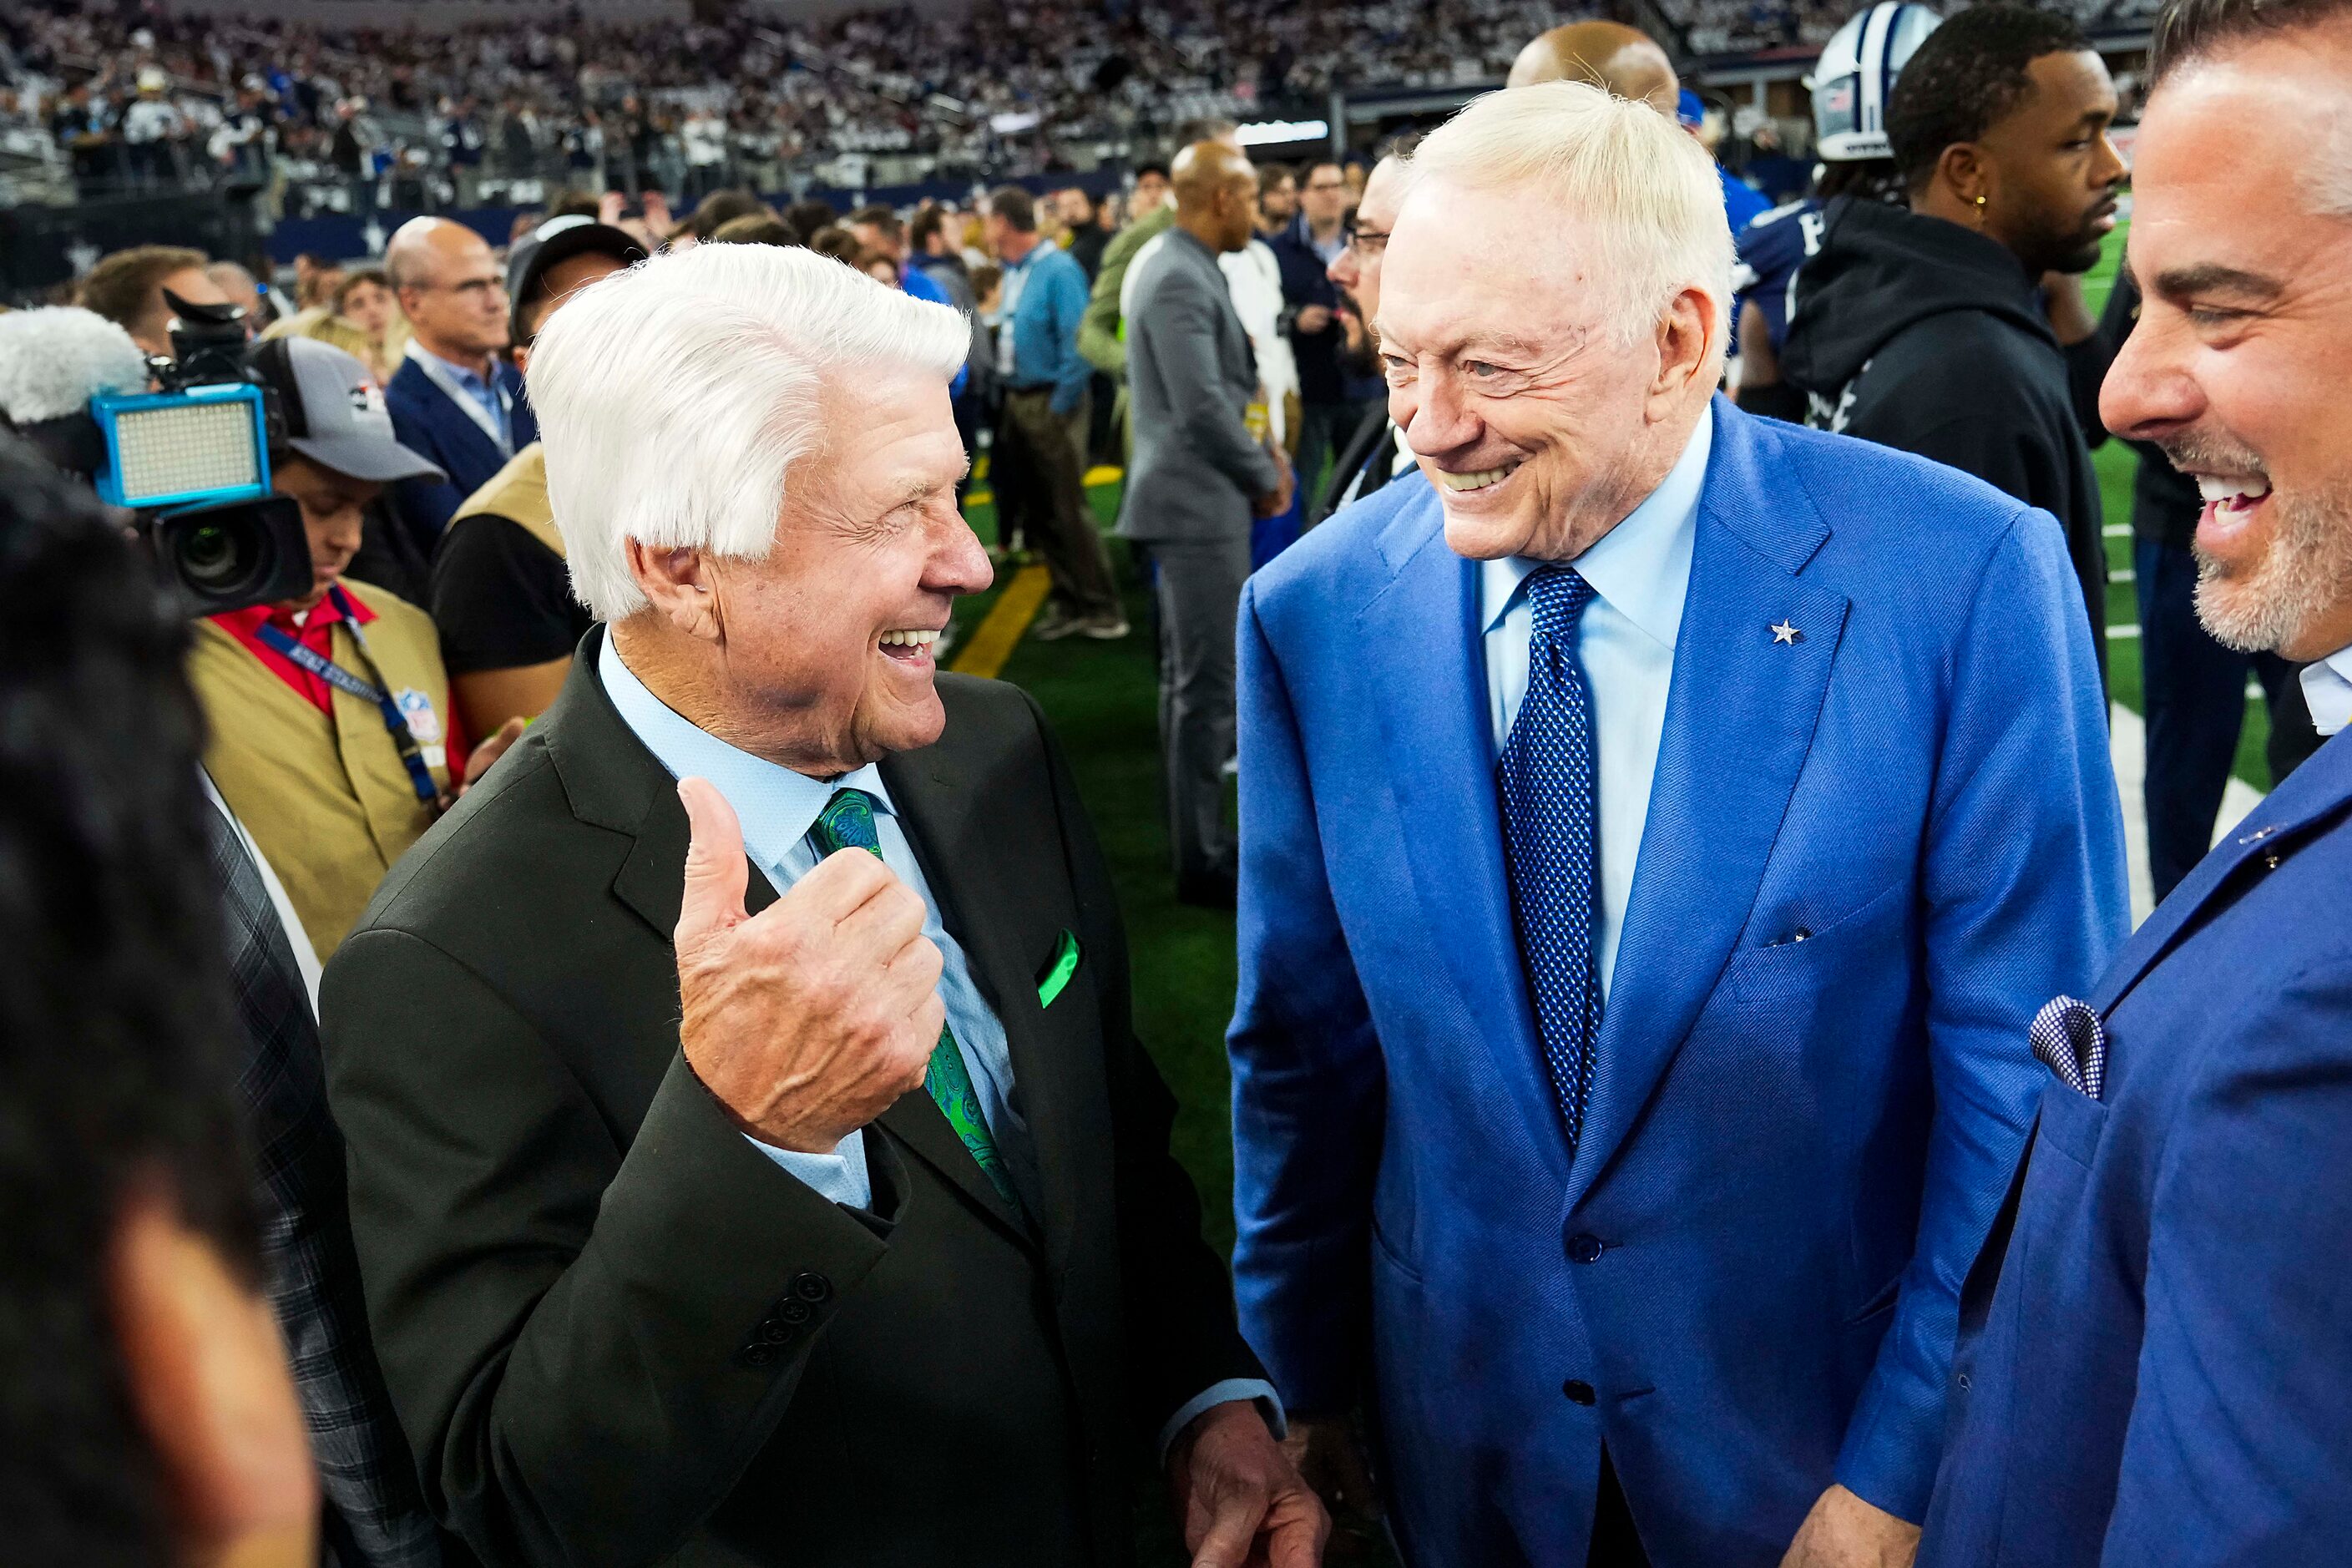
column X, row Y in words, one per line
column 840, row 1175
column 1233, row 1389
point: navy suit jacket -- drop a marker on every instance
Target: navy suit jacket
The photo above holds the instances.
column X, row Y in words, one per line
column 2157, row 1342
column 429, row 423
column 1870, row 855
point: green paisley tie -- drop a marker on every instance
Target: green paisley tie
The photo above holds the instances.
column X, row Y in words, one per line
column 847, row 823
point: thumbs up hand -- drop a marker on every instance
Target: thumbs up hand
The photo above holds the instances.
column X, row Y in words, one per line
column 809, row 1018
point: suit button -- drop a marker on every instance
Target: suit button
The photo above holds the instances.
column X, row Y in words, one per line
column 758, row 1355
column 771, row 1333
column 792, row 1311
column 1579, row 1391
column 811, row 1287
column 1585, row 1247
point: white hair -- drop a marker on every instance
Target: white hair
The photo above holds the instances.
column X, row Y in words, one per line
column 1636, row 188
column 53, row 359
column 677, row 399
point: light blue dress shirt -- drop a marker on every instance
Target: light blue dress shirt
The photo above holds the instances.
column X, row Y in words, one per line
column 496, row 414
column 2327, row 692
column 777, row 808
column 1639, row 572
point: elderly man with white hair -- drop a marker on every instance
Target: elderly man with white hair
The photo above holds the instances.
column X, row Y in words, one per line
column 1657, row 834
column 753, row 1160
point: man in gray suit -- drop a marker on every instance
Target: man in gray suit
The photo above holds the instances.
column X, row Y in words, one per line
column 1197, row 476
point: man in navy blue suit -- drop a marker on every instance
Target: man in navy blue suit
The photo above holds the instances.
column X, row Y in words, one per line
column 454, row 398
column 2157, row 1338
column 1655, row 840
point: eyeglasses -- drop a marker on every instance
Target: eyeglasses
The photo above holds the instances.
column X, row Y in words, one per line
column 471, row 290
column 1367, row 242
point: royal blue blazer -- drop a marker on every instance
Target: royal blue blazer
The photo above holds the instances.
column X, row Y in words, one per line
column 427, row 422
column 2158, row 1343
column 1870, row 855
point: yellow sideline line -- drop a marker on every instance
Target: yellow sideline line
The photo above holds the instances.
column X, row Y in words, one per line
column 999, row 633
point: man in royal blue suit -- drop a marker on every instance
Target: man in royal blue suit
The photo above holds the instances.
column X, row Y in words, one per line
column 1656, row 841
column 2157, row 1342
column 454, row 398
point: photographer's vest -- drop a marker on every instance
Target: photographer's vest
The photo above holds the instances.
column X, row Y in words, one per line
column 518, row 492
column 325, row 794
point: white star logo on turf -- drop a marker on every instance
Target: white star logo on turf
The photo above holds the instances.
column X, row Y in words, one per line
column 1785, row 632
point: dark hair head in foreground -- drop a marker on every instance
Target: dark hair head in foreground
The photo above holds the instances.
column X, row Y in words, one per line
column 116, row 1067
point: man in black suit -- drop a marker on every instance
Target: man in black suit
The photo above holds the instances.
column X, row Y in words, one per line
column 815, row 1207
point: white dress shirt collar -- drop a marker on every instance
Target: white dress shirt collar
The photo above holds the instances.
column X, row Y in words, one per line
column 776, row 805
column 2328, row 690
column 1641, row 566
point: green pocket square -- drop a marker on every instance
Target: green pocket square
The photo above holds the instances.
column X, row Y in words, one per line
column 1055, row 976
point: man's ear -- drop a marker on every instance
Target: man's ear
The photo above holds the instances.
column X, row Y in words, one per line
column 209, row 1385
column 1962, row 170
column 1686, row 343
column 680, row 585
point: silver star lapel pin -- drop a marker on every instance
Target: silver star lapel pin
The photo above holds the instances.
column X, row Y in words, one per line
column 1786, row 633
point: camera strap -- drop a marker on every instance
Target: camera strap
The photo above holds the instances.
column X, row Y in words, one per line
column 404, row 740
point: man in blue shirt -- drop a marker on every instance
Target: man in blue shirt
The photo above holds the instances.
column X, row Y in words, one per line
column 1659, row 827
column 454, row 398
column 1038, row 464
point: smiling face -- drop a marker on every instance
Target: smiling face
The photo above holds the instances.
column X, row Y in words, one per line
column 2238, row 365
column 1540, row 427
column 2050, row 172
column 826, row 644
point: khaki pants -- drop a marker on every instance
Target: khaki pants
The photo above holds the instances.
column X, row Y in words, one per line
column 1037, row 469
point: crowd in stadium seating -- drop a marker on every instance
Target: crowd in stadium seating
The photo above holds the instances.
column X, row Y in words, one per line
column 1018, row 86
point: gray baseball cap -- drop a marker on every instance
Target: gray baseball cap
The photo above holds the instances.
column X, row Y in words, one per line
column 334, row 412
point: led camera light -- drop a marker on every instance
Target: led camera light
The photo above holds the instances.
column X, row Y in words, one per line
column 206, row 444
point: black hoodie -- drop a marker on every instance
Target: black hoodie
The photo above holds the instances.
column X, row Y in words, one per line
column 1919, row 334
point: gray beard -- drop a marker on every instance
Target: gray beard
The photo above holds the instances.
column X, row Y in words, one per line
column 2305, row 571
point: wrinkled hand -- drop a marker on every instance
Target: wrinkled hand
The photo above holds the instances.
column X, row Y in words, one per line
column 492, row 748
column 1239, row 1499
column 1844, row 1532
column 1312, row 317
column 808, row 1019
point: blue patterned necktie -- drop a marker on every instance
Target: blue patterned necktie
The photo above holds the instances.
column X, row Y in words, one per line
column 847, row 823
column 1551, row 818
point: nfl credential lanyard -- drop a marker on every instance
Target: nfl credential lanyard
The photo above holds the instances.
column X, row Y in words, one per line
column 404, row 738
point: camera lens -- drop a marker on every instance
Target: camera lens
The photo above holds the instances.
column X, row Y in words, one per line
column 210, row 557
column 227, row 557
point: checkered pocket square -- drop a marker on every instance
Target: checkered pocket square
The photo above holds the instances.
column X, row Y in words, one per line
column 2071, row 1042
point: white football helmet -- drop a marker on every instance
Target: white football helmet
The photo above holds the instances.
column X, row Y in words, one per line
column 1856, row 76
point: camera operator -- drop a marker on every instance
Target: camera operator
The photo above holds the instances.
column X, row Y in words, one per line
column 330, row 713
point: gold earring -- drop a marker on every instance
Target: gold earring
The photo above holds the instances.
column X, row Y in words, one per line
column 1980, row 201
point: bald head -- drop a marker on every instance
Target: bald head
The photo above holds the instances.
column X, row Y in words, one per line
column 420, row 247
column 1216, row 194
column 450, row 288
column 1607, row 54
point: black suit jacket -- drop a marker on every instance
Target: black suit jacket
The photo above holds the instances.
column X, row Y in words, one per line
column 616, row 1332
